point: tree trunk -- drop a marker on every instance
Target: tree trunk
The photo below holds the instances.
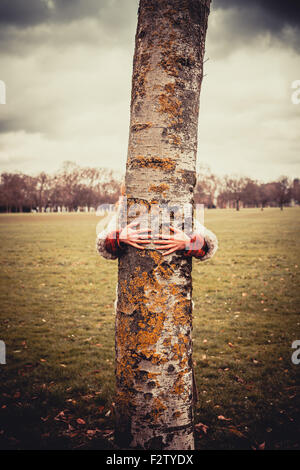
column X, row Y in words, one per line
column 154, row 395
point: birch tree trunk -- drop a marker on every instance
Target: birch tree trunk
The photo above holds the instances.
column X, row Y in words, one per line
column 154, row 402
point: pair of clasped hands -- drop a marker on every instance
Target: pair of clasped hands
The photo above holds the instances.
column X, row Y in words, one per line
column 138, row 238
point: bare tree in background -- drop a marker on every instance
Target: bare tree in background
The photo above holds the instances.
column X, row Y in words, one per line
column 206, row 187
column 282, row 189
column 154, row 407
column 234, row 188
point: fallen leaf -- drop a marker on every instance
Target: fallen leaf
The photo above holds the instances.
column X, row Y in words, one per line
column 222, row 418
column 235, row 431
column 60, row 416
column 239, row 379
column 201, row 427
column 80, row 421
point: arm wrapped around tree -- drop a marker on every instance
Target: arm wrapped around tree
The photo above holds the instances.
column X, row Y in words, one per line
column 202, row 245
column 106, row 244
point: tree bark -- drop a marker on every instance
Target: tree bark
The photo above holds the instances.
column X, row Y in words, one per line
column 154, row 385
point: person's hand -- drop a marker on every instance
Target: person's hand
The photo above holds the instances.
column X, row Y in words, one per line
column 133, row 237
column 171, row 243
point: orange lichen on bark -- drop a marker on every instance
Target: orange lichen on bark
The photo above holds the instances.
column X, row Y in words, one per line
column 169, row 61
column 167, row 342
column 169, row 57
column 174, row 139
column 179, row 351
column 153, row 162
column 174, row 289
column 156, row 256
column 153, row 375
column 152, row 313
column 170, row 88
column 171, row 106
column 178, row 387
column 182, row 338
column 182, row 311
column 159, row 188
column 164, row 272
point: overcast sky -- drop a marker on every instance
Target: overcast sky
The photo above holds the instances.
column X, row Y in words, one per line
column 67, row 66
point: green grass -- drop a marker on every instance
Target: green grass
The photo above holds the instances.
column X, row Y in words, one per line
column 57, row 320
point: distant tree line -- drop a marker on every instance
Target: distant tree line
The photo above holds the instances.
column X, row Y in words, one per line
column 75, row 188
column 236, row 192
column 72, row 188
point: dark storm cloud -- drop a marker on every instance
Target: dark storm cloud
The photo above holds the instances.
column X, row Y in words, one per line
column 27, row 25
column 32, row 12
column 20, row 12
column 242, row 20
column 250, row 18
column 276, row 13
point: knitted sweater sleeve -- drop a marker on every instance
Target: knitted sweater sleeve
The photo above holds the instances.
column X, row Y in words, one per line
column 107, row 239
column 203, row 244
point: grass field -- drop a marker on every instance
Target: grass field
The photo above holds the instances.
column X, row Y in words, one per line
column 57, row 320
